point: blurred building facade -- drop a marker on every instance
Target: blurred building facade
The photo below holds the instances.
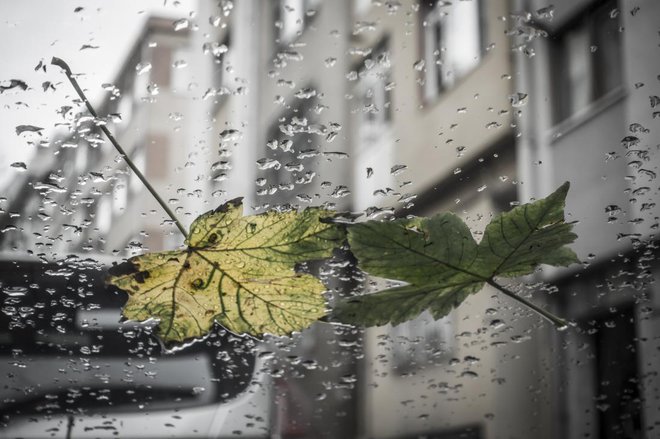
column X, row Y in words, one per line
column 79, row 200
column 365, row 106
column 468, row 107
column 280, row 126
column 397, row 108
column 590, row 69
column 79, row 196
column 433, row 120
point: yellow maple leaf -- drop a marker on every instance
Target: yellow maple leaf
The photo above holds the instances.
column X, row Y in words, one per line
column 236, row 270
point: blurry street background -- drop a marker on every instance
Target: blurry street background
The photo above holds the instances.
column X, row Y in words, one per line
column 387, row 108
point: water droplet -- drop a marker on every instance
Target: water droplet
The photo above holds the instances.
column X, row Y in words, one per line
column 181, row 24
column 398, row 169
column 497, row 324
column 142, row 68
column 305, row 93
column 221, row 166
column 629, row 141
column 229, row 135
column 518, row 99
column 20, row 129
column 8, row 228
column 266, row 163
column 335, row 155
column 546, row 13
column 375, row 212
column 215, row 49
column 340, row 191
column 152, row 89
column 15, row 291
column 638, row 128
column 407, row 198
column 47, row 188
column 19, row 166
column 612, row 209
column 471, row 359
column 647, row 172
column 363, row 26
column 655, row 101
column 289, row 55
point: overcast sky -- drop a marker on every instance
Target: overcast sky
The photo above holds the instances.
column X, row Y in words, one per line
column 36, row 30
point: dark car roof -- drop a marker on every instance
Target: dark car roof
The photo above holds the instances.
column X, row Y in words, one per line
column 41, row 328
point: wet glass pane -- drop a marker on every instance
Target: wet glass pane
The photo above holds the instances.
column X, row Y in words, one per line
column 329, row 219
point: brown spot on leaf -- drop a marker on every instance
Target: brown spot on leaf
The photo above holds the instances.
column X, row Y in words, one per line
column 141, row 276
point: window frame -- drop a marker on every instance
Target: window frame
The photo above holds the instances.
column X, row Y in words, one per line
column 284, row 40
column 279, row 177
column 436, row 80
column 562, row 88
column 374, row 138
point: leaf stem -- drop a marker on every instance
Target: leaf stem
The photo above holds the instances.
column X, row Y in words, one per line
column 557, row 321
column 67, row 70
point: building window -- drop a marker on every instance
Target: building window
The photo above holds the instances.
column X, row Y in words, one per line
column 373, row 110
column 586, row 57
column 157, row 157
column 361, row 7
column 104, row 214
column 179, row 73
column 161, row 61
column 82, row 157
column 125, row 107
column 292, row 17
column 140, row 91
column 154, row 240
column 139, row 159
column 220, row 53
column 451, row 34
column 120, row 193
column 375, row 93
column 291, row 156
column 420, row 342
column 618, row 396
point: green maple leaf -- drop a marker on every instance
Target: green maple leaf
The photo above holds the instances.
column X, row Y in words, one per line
column 236, row 270
column 442, row 263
